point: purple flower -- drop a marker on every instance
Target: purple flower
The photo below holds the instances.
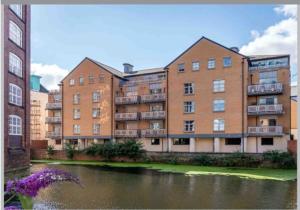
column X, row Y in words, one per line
column 29, row 186
column 11, row 208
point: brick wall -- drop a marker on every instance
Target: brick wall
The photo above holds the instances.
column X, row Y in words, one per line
column 292, row 147
column 39, row 144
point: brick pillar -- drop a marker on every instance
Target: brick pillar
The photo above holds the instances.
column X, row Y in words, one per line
column 192, row 145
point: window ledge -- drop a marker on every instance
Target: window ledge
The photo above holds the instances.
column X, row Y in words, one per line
column 188, row 112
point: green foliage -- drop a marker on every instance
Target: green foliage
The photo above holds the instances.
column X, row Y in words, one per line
column 173, row 160
column 70, row 150
column 26, row 201
column 281, row 159
column 203, row 160
column 131, row 149
column 50, row 150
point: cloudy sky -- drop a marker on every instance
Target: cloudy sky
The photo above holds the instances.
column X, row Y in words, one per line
column 152, row 35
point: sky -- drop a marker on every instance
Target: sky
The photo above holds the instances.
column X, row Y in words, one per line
column 149, row 36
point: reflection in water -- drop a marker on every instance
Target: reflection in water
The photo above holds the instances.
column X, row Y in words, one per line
column 106, row 187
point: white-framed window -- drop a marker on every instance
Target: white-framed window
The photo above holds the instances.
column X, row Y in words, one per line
column 227, row 61
column 81, row 80
column 219, row 125
column 181, row 67
column 195, row 66
column 268, row 100
column 17, row 8
column 155, row 125
column 211, row 64
column 76, row 114
column 76, row 98
column 15, row 125
column 96, row 128
column 219, row 105
column 15, row 94
column 181, row 141
column 76, row 129
column 15, row 33
column 268, row 77
column 189, row 106
column 96, row 112
column 91, row 79
column 96, row 96
column 219, row 86
column 189, row 125
column 188, row 88
column 15, row 64
column 72, row 82
column 155, row 88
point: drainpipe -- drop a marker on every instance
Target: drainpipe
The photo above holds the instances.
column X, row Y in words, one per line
column 113, row 107
column 243, row 104
column 167, row 108
column 62, row 114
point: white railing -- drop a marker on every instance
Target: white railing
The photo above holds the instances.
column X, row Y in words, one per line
column 265, row 89
column 53, row 134
column 153, row 97
column 153, row 115
column 265, row 131
column 126, row 133
column 265, row 109
column 126, row 116
column 53, row 105
column 127, row 100
column 153, row 132
column 53, row 119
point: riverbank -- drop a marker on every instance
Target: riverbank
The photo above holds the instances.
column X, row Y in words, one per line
column 252, row 173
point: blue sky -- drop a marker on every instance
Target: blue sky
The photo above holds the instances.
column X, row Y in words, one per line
column 143, row 35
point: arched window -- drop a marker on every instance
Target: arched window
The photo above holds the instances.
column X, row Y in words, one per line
column 15, row 125
column 15, row 33
column 15, row 64
column 15, row 94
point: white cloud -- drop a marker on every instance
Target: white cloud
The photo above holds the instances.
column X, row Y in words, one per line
column 51, row 74
column 287, row 10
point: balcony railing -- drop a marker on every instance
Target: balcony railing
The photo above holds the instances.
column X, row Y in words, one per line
column 265, row 109
column 153, row 115
column 53, row 106
column 153, row 97
column 53, row 119
column 153, row 133
column 265, row 131
column 127, row 100
column 53, row 135
column 265, row 89
column 126, row 133
column 126, row 116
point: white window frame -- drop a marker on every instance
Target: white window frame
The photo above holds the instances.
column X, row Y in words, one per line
column 15, row 33
column 211, row 63
column 229, row 64
column 189, row 126
column 195, row 65
column 218, row 86
column 189, row 88
column 15, row 64
column 219, row 125
column 96, row 112
column 15, row 125
column 76, row 129
column 76, row 98
column 189, row 106
column 179, row 67
column 76, row 114
column 96, row 96
column 15, row 94
column 81, row 80
column 72, row 82
column 268, row 77
column 17, row 8
column 217, row 105
column 96, row 128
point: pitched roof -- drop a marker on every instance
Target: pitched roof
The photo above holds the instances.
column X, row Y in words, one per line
column 202, row 38
column 43, row 89
column 108, row 68
column 145, row 71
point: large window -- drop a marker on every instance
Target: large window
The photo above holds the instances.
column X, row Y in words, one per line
column 17, row 8
column 15, row 125
column 268, row 100
column 181, row 141
column 195, row 66
column 211, row 64
column 76, row 114
column 227, row 61
column 155, row 141
column 181, row 67
column 15, row 64
column 96, row 128
column 219, row 105
column 267, row 141
column 15, row 94
column 76, row 98
column 219, row 125
column 155, row 88
column 15, row 33
column 96, row 96
column 232, row 141
column 188, row 88
column 189, row 106
column 72, row 82
column 76, row 129
column 96, row 112
column 155, row 125
column 189, row 126
column 219, row 85
column 268, row 77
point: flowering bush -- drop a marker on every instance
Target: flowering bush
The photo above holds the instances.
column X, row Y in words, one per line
column 28, row 187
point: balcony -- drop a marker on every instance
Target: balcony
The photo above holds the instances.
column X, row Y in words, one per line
column 153, row 133
column 126, row 116
column 265, row 131
column 53, row 119
column 53, row 105
column 127, row 133
column 53, row 135
column 153, row 115
column 265, row 89
column 265, row 109
column 127, row 100
column 153, row 98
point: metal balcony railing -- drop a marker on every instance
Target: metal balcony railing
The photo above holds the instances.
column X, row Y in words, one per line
column 265, row 131
column 126, row 133
column 265, row 89
column 53, row 119
column 265, row 109
column 53, row 105
column 153, row 98
column 153, row 115
column 53, row 134
column 127, row 100
column 126, row 116
column 153, row 133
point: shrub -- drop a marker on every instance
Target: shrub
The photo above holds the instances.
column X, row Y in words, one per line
column 131, row 149
column 70, row 150
column 173, row 160
column 109, row 150
column 203, row 160
column 281, row 159
column 95, row 149
column 50, row 150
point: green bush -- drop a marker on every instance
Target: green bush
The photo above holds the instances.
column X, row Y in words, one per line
column 131, row 149
column 70, row 150
column 281, row 159
column 50, row 150
column 95, row 149
column 173, row 160
column 203, row 160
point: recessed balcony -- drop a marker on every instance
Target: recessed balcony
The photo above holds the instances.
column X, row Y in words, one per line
column 153, row 115
column 153, row 98
column 265, row 89
column 153, row 133
column 127, row 133
column 53, row 105
column 265, row 109
column 53, row 135
column 127, row 100
column 53, row 119
column 126, row 116
column 265, row 131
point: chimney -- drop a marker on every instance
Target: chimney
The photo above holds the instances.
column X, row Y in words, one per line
column 235, row 49
column 128, row 68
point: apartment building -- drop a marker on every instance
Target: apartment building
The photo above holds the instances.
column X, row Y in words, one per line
column 54, row 119
column 16, row 90
column 294, row 99
column 38, row 101
column 208, row 99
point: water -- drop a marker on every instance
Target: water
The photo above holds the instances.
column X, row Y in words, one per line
column 106, row 187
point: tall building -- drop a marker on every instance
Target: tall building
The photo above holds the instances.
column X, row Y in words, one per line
column 39, row 99
column 16, row 72
column 208, row 99
column 294, row 99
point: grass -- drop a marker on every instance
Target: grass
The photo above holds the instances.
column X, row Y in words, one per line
column 252, row 173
